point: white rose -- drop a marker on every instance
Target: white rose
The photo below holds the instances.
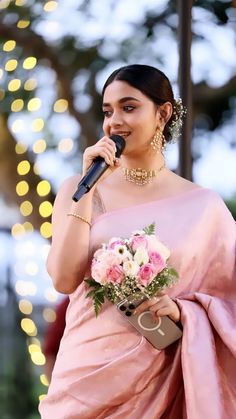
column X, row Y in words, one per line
column 155, row 245
column 141, row 256
column 130, row 268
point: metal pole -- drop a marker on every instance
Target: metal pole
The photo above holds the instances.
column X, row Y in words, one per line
column 185, row 86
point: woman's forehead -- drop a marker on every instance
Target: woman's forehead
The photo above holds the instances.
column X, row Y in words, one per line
column 118, row 90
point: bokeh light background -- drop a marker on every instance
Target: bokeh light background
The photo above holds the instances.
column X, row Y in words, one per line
column 54, row 59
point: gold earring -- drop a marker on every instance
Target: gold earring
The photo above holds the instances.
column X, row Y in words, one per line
column 158, row 142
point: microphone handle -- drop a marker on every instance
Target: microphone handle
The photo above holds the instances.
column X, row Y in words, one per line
column 97, row 168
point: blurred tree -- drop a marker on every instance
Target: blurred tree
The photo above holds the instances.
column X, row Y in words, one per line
column 69, row 57
column 17, row 397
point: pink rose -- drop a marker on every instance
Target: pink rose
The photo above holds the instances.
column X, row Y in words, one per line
column 137, row 241
column 115, row 242
column 146, row 274
column 156, row 259
column 155, row 245
column 110, row 258
column 98, row 272
column 115, row 274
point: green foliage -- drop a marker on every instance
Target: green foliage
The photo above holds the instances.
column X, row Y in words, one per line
column 150, row 230
column 97, row 293
column 18, row 398
column 231, row 204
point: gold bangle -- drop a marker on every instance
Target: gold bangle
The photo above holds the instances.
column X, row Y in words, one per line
column 73, row 214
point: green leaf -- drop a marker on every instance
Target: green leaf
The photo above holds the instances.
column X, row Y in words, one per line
column 173, row 272
column 149, row 230
column 90, row 294
column 92, row 283
column 98, row 300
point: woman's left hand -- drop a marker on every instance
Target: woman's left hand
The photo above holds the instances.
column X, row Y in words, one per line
column 160, row 305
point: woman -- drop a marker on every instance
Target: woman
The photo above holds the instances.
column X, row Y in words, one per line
column 105, row 369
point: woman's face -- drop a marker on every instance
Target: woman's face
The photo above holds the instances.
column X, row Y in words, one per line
column 131, row 114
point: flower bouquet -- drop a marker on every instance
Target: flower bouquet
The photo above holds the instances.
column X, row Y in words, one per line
column 130, row 267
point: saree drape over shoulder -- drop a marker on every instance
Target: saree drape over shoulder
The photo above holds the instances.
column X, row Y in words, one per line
column 106, row 369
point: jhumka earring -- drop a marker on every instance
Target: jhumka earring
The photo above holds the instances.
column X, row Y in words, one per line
column 158, row 142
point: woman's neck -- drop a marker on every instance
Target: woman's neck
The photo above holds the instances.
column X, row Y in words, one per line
column 144, row 162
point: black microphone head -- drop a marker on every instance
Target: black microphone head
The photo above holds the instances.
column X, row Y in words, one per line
column 120, row 144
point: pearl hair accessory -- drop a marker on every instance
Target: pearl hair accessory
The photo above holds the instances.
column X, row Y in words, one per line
column 179, row 112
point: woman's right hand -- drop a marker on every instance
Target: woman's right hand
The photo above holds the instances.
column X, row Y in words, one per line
column 105, row 148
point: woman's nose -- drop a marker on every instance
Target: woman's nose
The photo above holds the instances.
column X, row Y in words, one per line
column 115, row 119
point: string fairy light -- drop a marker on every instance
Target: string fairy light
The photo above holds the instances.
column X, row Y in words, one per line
column 50, row 6
column 26, row 83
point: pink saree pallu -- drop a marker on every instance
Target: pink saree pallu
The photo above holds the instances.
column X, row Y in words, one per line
column 106, row 369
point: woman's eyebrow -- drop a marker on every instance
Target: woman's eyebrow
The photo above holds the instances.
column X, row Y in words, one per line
column 122, row 100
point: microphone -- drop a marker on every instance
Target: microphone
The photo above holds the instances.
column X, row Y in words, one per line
column 96, row 170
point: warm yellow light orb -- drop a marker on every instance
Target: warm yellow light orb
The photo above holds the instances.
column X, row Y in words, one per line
column 9, row 45
column 25, row 288
column 17, row 230
column 22, row 24
column 30, row 84
column 44, row 380
column 46, row 230
column 34, row 104
column 65, row 145
column 29, row 327
column 38, row 358
column 45, row 209
column 43, row 188
column 22, row 188
column 49, row 315
column 26, row 208
column 14, row 85
column 25, row 306
column 17, row 105
column 29, row 63
column 61, row 105
column 11, row 65
column 37, row 125
column 51, row 295
column 50, row 6
column 39, row 146
column 31, row 268
column 28, row 227
column 20, row 2
column 23, row 167
column 20, row 148
column 4, row 4
column 33, row 347
column 17, row 125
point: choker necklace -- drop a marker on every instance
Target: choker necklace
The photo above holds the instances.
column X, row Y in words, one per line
column 140, row 176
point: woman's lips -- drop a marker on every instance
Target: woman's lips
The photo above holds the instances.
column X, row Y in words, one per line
column 122, row 134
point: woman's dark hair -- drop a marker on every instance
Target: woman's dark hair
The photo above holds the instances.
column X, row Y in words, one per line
column 150, row 81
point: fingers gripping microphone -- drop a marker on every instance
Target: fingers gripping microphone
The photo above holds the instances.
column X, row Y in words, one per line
column 96, row 170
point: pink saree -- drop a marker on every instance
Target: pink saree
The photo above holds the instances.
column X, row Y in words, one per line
column 106, row 369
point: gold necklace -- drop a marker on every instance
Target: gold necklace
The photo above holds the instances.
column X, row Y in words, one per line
column 140, row 176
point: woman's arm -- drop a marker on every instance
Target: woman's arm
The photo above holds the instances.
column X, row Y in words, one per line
column 68, row 257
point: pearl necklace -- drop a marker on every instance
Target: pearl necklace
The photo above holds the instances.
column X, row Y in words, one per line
column 141, row 176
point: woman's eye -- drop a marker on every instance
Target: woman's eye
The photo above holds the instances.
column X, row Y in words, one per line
column 128, row 108
column 107, row 113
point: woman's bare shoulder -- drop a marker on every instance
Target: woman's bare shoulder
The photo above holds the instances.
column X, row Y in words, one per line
column 180, row 184
column 71, row 181
column 69, row 184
